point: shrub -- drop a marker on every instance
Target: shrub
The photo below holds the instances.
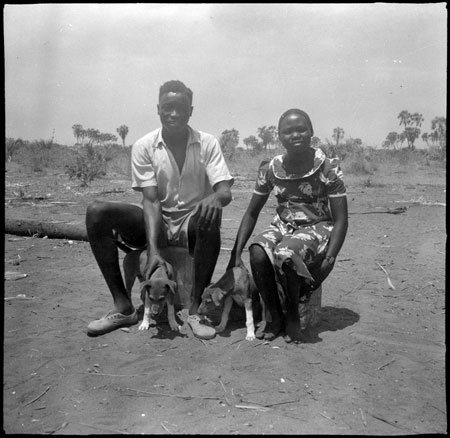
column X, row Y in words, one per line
column 88, row 163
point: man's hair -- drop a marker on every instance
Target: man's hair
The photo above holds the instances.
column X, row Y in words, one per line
column 175, row 87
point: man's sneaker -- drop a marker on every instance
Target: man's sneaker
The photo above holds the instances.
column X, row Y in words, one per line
column 110, row 322
column 201, row 331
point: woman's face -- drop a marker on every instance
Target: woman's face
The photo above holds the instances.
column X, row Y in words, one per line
column 295, row 133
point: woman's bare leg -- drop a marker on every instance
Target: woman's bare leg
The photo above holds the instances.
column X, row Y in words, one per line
column 264, row 277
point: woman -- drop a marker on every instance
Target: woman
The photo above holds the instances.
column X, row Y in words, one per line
column 297, row 251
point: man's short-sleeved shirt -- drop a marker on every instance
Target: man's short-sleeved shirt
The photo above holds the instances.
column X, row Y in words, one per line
column 153, row 165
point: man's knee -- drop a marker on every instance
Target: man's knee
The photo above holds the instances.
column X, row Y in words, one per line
column 96, row 212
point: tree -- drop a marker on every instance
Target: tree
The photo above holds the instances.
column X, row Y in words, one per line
column 229, row 139
column 338, row 135
column 253, row 142
column 123, row 132
column 412, row 124
column 77, row 132
column 392, row 140
column 93, row 135
column 404, row 118
column 439, row 131
column 315, row 142
column 268, row 135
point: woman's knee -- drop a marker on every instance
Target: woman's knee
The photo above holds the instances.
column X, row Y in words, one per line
column 258, row 256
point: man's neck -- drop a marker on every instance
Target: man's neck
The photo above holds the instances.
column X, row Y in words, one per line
column 175, row 140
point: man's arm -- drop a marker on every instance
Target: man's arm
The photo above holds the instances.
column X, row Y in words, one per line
column 153, row 221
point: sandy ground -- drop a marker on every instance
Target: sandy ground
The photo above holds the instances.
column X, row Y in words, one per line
column 375, row 365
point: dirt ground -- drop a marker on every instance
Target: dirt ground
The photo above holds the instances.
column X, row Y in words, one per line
column 375, row 365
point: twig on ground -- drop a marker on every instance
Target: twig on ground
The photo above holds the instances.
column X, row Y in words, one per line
column 440, row 410
column 225, row 391
column 396, row 210
column 104, row 428
column 388, row 422
column 387, row 277
column 38, row 397
column 117, row 375
column 363, row 417
column 385, row 365
column 174, row 395
column 328, row 418
column 259, row 343
column 259, row 408
column 19, row 298
column 281, row 403
column 165, row 428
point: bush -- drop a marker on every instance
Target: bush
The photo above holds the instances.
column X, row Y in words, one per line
column 88, row 163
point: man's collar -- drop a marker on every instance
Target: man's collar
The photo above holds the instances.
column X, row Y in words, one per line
column 194, row 137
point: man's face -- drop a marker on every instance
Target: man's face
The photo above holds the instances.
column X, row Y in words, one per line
column 174, row 111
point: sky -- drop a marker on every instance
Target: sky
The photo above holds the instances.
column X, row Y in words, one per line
column 349, row 65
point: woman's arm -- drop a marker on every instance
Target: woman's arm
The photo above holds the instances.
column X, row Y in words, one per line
column 338, row 206
column 246, row 228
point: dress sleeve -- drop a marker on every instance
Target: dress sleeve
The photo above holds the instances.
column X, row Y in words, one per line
column 264, row 181
column 333, row 178
column 142, row 170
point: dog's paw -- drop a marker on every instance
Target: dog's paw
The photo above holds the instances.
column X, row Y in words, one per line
column 219, row 328
column 144, row 325
column 250, row 337
column 174, row 327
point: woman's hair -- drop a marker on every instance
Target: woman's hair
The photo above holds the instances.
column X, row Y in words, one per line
column 296, row 111
column 175, row 87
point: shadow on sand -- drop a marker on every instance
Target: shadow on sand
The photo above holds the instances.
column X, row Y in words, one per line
column 332, row 319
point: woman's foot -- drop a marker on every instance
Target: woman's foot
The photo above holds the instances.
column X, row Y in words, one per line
column 292, row 328
column 273, row 328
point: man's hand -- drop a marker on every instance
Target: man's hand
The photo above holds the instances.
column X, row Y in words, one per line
column 153, row 261
column 209, row 213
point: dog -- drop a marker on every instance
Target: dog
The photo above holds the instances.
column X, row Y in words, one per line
column 156, row 292
column 236, row 285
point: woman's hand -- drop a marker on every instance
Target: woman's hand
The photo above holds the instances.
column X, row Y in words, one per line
column 320, row 273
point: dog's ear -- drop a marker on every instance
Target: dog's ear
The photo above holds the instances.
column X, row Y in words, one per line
column 145, row 286
column 217, row 296
column 172, row 286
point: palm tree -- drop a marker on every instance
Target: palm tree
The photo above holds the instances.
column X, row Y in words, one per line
column 338, row 134
column 417, row 119
column 404, row 117
column 77, row 132
column 123, row 131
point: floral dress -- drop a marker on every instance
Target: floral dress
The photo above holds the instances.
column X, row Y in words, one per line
column 299, row 232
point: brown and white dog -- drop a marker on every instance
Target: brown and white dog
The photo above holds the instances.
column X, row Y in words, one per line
column 158, row 290
column 235, row 285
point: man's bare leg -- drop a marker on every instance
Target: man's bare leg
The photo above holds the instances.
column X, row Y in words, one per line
column 206, row 246
column 101, row 219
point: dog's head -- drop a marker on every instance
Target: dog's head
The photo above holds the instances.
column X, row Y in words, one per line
column 159, row 291
column 212, row 297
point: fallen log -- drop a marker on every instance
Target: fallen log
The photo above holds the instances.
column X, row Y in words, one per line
column 53, row 230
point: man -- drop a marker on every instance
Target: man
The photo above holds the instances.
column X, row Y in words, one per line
column 185, row 182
